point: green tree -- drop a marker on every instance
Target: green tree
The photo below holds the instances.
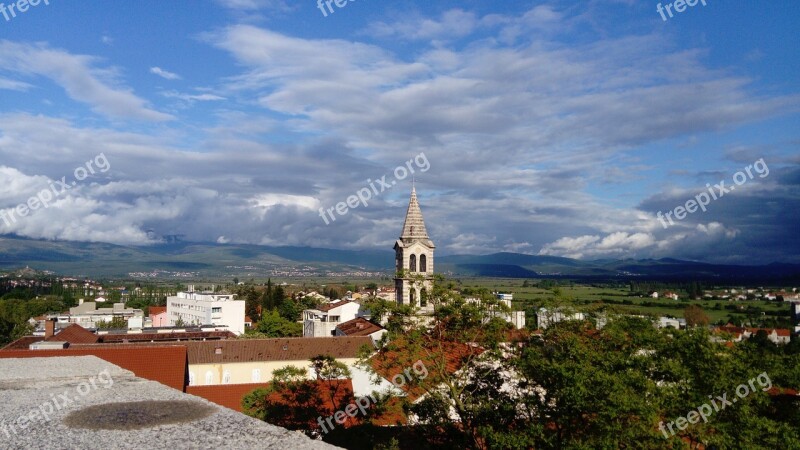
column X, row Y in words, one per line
column 114, row 324
column 275, row 326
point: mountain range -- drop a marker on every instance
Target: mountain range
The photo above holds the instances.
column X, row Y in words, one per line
column 211, row 260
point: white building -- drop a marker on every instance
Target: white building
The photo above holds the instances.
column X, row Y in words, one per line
column 669, row 322
column 322, row 321
column 88, row 315
column 515, row 318
column 546, row 317
column 205, row 308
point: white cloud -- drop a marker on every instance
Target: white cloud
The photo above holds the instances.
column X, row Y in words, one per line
column 193, row 97
column 14, row 85
column 253, row 5
column 164, row 74
column 78, row 77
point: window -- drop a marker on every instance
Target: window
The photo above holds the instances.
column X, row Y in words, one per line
column 209, row 377
column 423, row 263
column 412, row 297
column 191, row 378
column 256, row 375
column 226, row 377
column 423, row 296
column 216, row 309
column 412, row 264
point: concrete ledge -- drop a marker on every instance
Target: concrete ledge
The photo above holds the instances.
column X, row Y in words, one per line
column 38, row 394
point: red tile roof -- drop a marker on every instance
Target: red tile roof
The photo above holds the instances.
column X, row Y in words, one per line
column 75, row 334
column 358, row 327
column 166, row 337
column 22, row 343
column 154, row 310
column 284, row 349
column 164, row 364
column 778, row 331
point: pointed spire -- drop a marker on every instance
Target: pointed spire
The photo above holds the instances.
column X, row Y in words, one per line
column 414, row 226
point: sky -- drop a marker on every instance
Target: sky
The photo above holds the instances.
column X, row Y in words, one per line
column 589, row 129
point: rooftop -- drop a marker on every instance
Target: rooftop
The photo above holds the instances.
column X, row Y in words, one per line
column 293, row 349
column 100, row 404
column 359, row 327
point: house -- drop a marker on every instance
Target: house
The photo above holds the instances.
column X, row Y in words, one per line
column 247, row 361
column 387, row 294
column 314, row 295
column 157, row 316
column 88, row 315
column 669, row 322
column 545, row 317
column 202, row 308
column 775, row 335
column 322, row 321
column 515, row 318
column 360, row 327
column 671, row 295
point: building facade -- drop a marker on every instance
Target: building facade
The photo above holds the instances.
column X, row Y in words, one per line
column 414, row 260
column 322, row 321
column 203, row 308
column 88, row 315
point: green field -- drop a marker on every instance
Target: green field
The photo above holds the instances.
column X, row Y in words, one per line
column 589, row 298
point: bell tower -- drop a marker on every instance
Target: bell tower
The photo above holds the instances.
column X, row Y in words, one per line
column 414, row 260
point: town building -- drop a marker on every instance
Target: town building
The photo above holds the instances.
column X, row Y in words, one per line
column 546, row 317
column 202, row 308
column 737, row 334
column 247, row 361
column 157, row 317
column 88, row 315
column 361, row 327
column 515, row 318
column 322, row 321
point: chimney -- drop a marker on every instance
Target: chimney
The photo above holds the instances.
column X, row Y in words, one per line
column 49, row 328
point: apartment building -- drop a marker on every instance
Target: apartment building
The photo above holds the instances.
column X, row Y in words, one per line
column 206, row 308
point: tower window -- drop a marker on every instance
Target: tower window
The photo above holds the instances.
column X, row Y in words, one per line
column 423, row 263
column 412, row 265
column 423, row 297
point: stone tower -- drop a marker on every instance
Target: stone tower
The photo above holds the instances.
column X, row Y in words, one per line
column 414, row 260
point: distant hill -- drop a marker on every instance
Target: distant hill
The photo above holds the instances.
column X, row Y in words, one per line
column 183, row 260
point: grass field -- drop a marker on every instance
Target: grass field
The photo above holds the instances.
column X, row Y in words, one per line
column 586, row 297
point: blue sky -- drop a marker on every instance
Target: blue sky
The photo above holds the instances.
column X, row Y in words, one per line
column 559, row 128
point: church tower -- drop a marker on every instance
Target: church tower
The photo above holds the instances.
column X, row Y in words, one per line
column 414, row 260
